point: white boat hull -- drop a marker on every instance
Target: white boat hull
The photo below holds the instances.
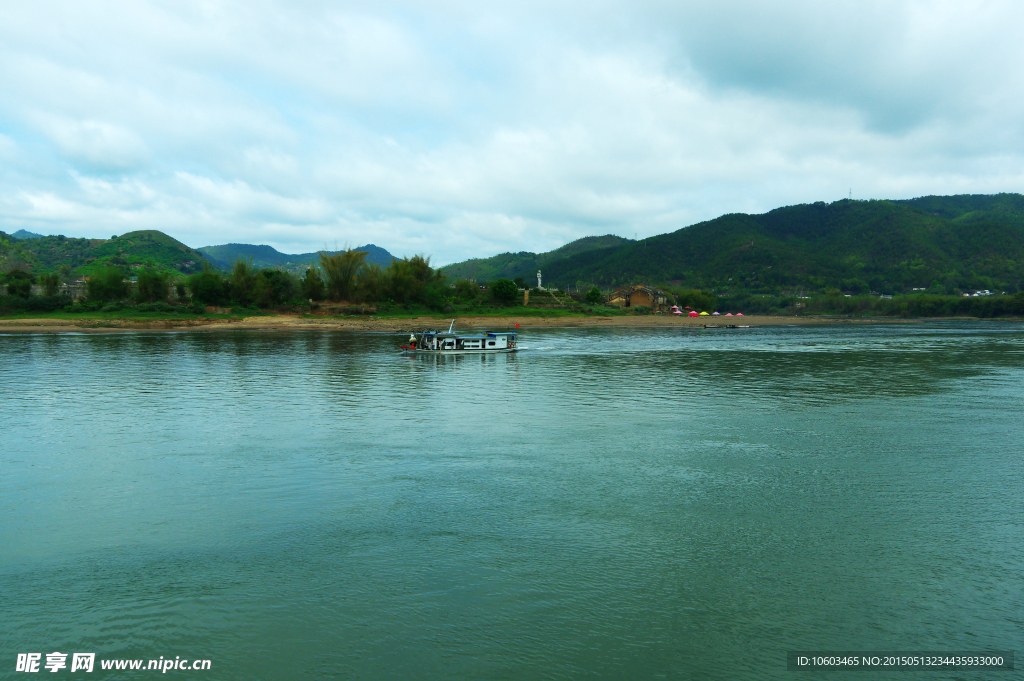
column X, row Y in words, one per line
column 485, row 351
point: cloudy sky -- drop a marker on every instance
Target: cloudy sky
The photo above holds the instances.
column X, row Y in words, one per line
column 464, row 129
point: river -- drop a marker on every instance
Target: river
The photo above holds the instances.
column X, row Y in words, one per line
column 606, row 503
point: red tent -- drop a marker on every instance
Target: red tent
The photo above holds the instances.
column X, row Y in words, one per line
column 693, row 313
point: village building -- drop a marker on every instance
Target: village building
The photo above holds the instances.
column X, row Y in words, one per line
column 640, row 295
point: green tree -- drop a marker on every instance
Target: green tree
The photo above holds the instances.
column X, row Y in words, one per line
column 19, row 283
column 504, row 290
column 373, row 282
column 414, row 280
column 403, row 284
column 262, row 292
column 594, row 296
column 312, row 284
column 702, row 301
column 243, row 282
column 341, row 270
column 466, row 290
column 436, row 295
column 107, row 284
column 275, row 287
column 152, row 286
column 50, row 283
column 208, row 287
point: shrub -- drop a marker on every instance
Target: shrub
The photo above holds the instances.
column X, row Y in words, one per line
column 46, row 303
column 594, row 296
column 504, row 290
column 11, row 304
column 163, row 308
column 111, row 307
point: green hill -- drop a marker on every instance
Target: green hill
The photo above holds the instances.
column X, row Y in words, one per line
column 940, row 243
column 50, row 253
column 224, row 256
column 943, row 243
column 525, row 264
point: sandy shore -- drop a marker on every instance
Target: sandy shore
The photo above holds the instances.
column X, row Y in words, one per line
column 407, row 324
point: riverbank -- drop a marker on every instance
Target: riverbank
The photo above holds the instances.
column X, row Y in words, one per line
column 285, row 322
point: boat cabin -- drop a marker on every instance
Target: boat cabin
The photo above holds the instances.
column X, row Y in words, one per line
column 453, row 342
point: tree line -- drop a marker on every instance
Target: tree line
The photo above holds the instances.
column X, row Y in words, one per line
column 338, row 276
column 413, row 282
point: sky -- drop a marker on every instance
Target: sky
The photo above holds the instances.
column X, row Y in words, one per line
column 467, row 129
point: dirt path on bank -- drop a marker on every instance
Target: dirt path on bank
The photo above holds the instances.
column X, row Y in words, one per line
column 407, row 324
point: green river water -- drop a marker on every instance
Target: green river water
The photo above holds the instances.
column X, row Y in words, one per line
column 604, row 504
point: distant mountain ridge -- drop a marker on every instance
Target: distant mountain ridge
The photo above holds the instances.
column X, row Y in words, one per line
column 51, row 253
column 525, row 264
column 25, row 234
column 264, row 256
column 942, row 243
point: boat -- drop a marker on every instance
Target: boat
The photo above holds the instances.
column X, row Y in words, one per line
column 450, row 343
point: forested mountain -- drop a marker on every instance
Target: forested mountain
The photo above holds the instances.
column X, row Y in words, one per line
column 940, row 243
column 943, row 243
column 525, row 264
column 266, row 256
column 25, row 234
column 52, row 253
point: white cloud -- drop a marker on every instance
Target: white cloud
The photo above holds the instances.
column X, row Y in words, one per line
column 463, row 129
column 98, row 146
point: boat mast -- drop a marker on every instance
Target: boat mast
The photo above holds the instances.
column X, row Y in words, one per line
column 451, row 326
